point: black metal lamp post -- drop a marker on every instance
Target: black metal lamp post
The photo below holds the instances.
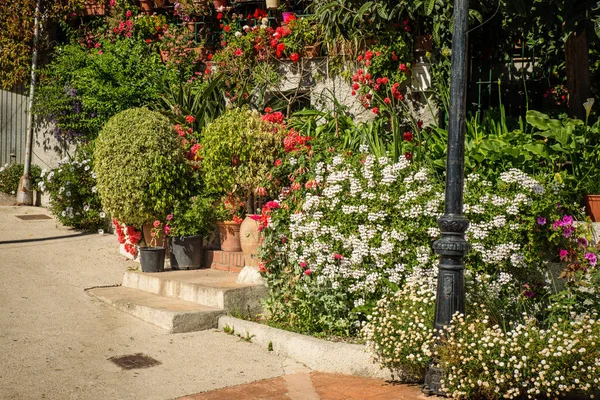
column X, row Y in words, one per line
column 452, row 247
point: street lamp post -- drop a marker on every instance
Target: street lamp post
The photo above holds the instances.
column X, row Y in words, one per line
column 452, row 247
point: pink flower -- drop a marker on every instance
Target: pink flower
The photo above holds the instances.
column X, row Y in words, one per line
column 128, row 14
column 387, row 100
column 308, row 272
column 303, row 264
column 338, row 256
column 112, row 3
column 156, row 223
column 261, row 191
column 169, row 217
column 563, row 254
column 167, row 230
column 375, row 110
column 591, row 257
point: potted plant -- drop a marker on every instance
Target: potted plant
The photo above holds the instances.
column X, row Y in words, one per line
column 186, row 10
column 152, row 257
column 95, row 7
column 190, row 223
column 273, row 4
column 140, row 167
column 304, row 37
column 238, row 151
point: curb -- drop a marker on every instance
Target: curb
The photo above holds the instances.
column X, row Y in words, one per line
column 317, row 354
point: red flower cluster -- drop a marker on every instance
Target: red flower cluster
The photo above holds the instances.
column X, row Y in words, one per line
column 295, row 142
column 273, row 117
column 263, row 218
column 128, row 236
column 294, row 57
column 125, row 28
column 193, row 153
column 279, row 34
column 183, row 131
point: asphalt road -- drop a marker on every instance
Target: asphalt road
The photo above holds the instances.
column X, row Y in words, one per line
column 55, row 340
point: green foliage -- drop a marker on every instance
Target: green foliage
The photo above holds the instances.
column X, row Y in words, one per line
column 74, row 199
column 140, row 166
column 201, row 99
column 10, row 176
column 304, row 33
column 17, row 31
column 194, row 217
column 82, row 88
column 238, row 152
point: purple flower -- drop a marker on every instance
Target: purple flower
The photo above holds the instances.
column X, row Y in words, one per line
column 541, row 221
column 567, row 232
column 583, row 241
column 563, row 254
column 591, row 258
column 557, row 224
column 567, row 220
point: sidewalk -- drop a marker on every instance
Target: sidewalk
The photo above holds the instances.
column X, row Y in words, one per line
column 315, row 386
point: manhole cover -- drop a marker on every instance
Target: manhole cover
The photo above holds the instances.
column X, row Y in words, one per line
column 30, row 217
column 134, row 361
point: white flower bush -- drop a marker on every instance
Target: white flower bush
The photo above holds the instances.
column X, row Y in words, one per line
column 484, row 361
column 73, row 199
column 360, row 222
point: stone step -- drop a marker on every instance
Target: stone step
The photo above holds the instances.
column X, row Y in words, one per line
column 208, row 287
column 176, row 316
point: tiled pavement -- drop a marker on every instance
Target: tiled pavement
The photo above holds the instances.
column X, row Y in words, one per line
column 315, row 386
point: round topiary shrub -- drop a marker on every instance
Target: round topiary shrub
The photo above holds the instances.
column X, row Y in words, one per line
column 140, row 166
column 238, row 151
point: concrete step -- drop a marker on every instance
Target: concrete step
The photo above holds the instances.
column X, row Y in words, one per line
column 174, row 315
column 208, row 287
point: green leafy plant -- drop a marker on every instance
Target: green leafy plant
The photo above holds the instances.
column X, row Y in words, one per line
column 10, row 176
column 140, row 166
column 194, row 217
column 238, row 152
column 83, row 87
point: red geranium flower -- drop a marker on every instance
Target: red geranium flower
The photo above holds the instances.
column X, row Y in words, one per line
column 190, row 119
column 227, row 28
column 294, row 57
column 238, row 52
column 408, row 136
column 408, row 155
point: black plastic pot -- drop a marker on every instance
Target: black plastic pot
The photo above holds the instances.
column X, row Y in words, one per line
column 186, row 252
column 152, row 259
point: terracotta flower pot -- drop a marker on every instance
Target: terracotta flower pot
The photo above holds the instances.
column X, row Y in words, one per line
column 250, row 239
column 219, row 3
column 147, row 6
column 147, row 231
column 95, row 8
column 229, row 236
column 592, row 206
column 312, row 51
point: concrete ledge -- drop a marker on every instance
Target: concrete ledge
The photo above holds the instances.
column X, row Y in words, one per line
column 317, row 354
column 175, row 316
